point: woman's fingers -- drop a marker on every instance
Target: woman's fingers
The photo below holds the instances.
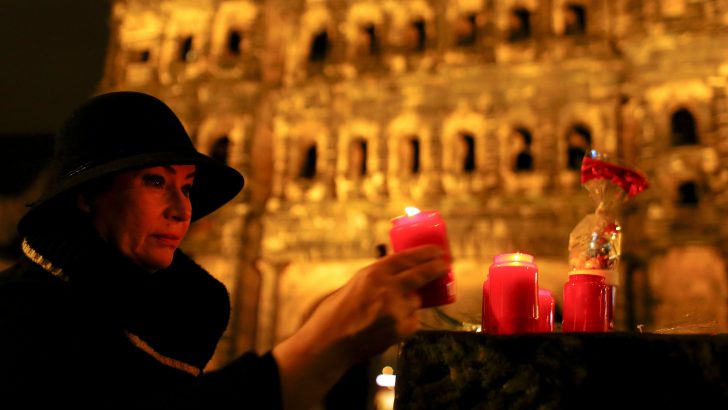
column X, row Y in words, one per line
column 404, row 312
column 413, row 301
column 404, row 260
column 422, row 274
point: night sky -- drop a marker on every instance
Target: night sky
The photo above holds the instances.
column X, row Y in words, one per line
column 51, row 59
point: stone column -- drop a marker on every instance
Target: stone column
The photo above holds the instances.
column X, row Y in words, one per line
column 719, row 120
column 433, row 172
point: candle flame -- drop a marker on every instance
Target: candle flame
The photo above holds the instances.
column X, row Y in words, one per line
column 514, row 257
column 411, row 211
column 386, row 380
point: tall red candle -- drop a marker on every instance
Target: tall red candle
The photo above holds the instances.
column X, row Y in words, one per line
column 513, row 294
column 546, row 306
column 585, row 302
column 419, row 228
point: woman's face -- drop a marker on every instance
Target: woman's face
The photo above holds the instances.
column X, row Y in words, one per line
column 146, row 213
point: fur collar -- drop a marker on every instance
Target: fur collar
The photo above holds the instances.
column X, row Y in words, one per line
column 178, row 313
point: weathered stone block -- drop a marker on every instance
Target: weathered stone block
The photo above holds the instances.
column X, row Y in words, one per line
column 462, row 370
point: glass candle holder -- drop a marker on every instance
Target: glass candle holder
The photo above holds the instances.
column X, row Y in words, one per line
column 513, row 294
column 419, row 228
column 546, row 306
column 585, row 302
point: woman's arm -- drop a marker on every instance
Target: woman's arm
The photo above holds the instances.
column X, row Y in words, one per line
column 372, row 311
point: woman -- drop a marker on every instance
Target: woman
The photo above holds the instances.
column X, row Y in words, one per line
column 104, row 310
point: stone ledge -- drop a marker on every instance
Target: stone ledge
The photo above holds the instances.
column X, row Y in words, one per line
column 463, row 370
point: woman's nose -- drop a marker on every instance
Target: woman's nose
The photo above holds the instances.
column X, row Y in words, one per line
column 180, row 207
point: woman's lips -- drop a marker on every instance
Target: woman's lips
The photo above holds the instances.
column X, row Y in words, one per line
column 168, row 239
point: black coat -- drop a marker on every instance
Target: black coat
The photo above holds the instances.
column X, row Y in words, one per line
column 83, row 327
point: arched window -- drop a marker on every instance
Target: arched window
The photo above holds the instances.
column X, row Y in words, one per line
column 683, row 128
column 308, row 165
column 523, row 159
column 368, row 42
column 519, row 25
column 358, row 157
column 234, row 41
column 415, row 36
column 219, row 150
column 578, row 144
column 687, row 194
column 185, row 49
column 466, row 30
column 468, row 143
column 319, row 50
column 414, row 163
column 574, row 19
column 139, row 56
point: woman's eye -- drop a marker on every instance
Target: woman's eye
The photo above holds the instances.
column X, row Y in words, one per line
column 186, row 190
column 153, row 180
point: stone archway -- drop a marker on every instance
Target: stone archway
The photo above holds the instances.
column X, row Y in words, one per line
column 409, row 158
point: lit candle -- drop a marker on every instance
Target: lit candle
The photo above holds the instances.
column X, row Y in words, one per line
column 418, row 228
column 513, row 294
column 546, row 305
column 585, row 302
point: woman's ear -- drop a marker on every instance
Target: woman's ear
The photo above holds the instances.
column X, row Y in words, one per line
column 82, row 203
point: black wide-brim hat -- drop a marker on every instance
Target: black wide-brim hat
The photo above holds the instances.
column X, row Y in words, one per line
column 124, row 130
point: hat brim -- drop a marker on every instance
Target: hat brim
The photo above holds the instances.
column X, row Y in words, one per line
column 215, row 183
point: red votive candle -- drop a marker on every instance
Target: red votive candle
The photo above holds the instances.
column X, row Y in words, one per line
column 585, row 302
column 419, row 228
column 513, row 294
column 546, row 305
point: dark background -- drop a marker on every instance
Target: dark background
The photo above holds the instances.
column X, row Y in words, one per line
column 52, row 56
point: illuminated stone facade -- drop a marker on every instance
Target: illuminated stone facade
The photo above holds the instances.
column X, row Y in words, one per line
column 340, row 113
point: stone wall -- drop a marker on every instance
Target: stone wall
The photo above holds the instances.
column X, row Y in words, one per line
column 340, row 113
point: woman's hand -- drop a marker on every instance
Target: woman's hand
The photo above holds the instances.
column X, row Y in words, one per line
column 375, row 309
column 378, row 306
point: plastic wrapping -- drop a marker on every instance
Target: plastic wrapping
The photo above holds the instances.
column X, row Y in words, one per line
column 595, row 242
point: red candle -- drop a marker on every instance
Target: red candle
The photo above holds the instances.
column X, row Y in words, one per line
column 546, row 305
column 513, row 294
column 419, row 228
column 585, row 302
